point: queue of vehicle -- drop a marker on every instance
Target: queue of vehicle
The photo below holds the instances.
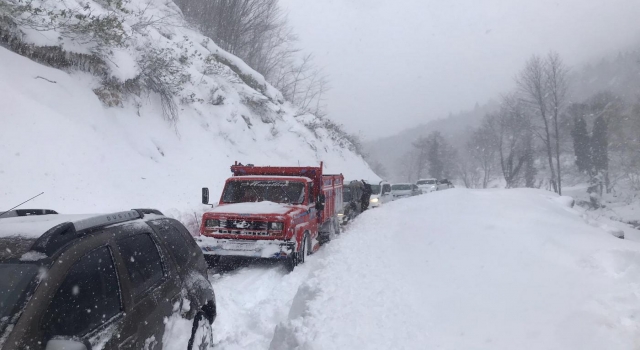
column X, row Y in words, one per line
column 282, row 213
column 74, row 282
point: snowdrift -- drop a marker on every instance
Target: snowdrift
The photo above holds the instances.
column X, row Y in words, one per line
column 57, row 136
column 463, row 269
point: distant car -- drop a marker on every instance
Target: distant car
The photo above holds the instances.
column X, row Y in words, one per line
column 108, row 281
column 445, row 184
column 427, row 185
column 380, row 194
column 404, row 190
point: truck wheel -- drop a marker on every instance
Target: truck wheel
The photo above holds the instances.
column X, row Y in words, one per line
column 298, row 257
column 212, row 260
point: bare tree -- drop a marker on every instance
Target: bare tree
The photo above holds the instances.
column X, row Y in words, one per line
column 407, row 165
column 543, row 85
column 303, row 84
column 482, row 148
column 422, row 146
column 512, row 130
column 257, row 32
column 467, row 170
column 557, row 87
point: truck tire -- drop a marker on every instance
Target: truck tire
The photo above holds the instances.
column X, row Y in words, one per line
column 212, row 260
column 298, row 257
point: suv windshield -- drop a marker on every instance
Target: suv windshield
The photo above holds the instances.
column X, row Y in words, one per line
column 427, row 182
column 375, row 189
column 263, row 190
column 401, row 187
column 14, row 286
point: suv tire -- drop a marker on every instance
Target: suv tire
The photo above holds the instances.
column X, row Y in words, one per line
column 201, row 333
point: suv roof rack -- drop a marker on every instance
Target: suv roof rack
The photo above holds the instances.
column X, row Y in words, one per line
column 26, row 212
column 60, row 235
column 147, row 211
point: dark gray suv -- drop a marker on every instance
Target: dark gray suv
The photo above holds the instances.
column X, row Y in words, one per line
column 110, row 281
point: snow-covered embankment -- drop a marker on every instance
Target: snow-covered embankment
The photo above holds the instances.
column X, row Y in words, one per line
column 460, row 269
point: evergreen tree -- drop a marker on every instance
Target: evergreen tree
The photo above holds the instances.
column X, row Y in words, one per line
column 600, row 145
column 582, row 145
column 435, row 155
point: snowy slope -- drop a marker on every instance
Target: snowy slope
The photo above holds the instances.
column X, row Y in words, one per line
column 462, row 269
column 56, row 136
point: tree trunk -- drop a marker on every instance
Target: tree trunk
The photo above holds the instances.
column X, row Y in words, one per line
column 555, row 120
column 547, row 143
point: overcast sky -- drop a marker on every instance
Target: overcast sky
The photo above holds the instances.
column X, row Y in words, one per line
column 395, row 63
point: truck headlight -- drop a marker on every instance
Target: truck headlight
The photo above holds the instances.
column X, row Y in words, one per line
column 374, row 200
column 276, row 226
column 212, row 223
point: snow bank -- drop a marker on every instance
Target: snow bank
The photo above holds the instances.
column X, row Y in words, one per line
column 462, row 269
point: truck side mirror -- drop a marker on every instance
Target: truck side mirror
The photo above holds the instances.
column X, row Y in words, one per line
column 320, row 202
column 205, row 195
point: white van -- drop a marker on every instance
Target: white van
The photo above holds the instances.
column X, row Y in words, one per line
column 380, row 193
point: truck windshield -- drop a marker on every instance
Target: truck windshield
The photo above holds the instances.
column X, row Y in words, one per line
column 263, row 190
column 14, row 286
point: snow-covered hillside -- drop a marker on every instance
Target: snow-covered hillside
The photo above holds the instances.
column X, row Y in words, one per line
column 468, row 269
column 57, row 136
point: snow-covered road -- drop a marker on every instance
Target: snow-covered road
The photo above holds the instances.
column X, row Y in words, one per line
column 461, row 269
column 252, row 299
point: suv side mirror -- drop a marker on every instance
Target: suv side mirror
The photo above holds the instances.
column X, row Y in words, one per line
column 320, row 202
column 66, row 344
column 205, row 195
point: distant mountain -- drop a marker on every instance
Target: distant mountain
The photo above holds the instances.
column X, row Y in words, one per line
column 619, row 74
column 389, row 150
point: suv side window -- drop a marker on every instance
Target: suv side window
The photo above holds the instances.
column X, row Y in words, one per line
column 143, row 262
column 87, row 298
column 386, row 188
column 174, row 239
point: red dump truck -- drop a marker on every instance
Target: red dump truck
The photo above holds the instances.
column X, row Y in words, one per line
column 283, row 213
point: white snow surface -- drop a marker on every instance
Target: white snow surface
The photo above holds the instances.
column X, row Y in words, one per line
column 34, row 226
column 57, row 136
column 464, row 269
column 264, row 207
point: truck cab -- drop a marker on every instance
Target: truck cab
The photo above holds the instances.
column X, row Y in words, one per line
column 272, row 212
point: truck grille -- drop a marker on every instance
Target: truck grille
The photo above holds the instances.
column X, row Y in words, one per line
column 233, row 224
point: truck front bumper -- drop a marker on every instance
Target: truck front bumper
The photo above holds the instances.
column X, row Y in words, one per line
column 271, row 249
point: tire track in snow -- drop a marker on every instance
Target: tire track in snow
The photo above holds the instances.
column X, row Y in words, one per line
column 252, row 300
